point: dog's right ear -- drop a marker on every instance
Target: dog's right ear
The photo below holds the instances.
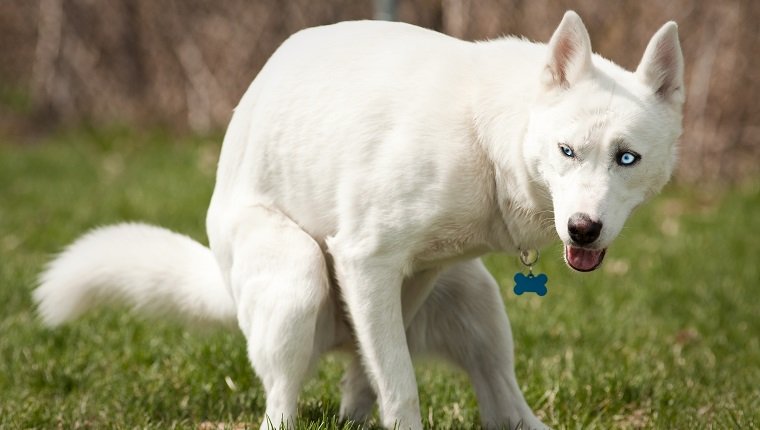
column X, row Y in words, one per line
column 569, row 53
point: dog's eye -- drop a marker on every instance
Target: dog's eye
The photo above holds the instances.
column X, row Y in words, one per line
column 568, row 151
column 627, row 158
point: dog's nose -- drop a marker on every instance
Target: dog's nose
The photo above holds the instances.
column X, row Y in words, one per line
column 583, row 230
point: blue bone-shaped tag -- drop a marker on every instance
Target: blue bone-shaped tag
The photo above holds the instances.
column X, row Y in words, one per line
column 530, row 284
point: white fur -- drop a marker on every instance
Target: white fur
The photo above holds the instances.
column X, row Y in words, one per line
column 365, row 169
column 150, row 268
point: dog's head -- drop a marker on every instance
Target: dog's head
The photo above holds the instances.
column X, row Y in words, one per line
column 603, row 139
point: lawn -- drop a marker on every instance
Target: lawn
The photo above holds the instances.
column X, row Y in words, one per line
column 665, row 335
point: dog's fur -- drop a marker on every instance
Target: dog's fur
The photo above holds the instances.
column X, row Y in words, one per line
column 366, row 168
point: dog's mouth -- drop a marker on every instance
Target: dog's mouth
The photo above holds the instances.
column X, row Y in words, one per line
column 583, row 259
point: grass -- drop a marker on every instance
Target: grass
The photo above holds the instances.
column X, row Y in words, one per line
column 665, row 335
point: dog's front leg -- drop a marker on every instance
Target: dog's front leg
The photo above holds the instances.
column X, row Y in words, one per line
column 464, row 321
column 371, row 289
column 357, row 395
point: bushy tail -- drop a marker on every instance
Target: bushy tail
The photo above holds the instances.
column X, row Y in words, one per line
column 149, row 268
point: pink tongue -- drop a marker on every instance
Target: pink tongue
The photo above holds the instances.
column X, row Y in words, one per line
column 584, row 260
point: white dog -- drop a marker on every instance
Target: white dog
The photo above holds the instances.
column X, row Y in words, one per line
column 366, row 168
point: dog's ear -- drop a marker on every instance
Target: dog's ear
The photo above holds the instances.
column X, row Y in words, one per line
column 569, row 53
column 661, row 67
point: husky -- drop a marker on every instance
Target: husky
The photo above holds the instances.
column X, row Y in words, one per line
column 366, row 169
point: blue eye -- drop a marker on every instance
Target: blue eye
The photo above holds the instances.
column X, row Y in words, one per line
column 567, row 150
column 627, row 158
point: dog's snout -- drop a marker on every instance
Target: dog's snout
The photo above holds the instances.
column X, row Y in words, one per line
column 583, row 230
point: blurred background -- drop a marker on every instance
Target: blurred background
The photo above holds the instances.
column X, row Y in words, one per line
column 182, row 65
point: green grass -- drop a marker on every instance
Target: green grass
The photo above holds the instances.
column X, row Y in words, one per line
column 665, row 335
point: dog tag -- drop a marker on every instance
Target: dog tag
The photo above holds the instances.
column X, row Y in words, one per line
column 530, row 283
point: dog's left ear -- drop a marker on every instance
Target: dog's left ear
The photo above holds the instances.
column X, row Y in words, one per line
column 661, row 67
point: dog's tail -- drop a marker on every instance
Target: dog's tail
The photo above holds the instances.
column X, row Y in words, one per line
column 149, row 268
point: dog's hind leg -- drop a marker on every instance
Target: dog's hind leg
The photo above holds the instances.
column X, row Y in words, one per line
column 280, row 283
column 464, row 321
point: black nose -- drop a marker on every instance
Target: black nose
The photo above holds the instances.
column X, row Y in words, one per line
column 583, row 230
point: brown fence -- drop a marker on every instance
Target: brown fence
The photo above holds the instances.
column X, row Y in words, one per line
column 185, row 63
